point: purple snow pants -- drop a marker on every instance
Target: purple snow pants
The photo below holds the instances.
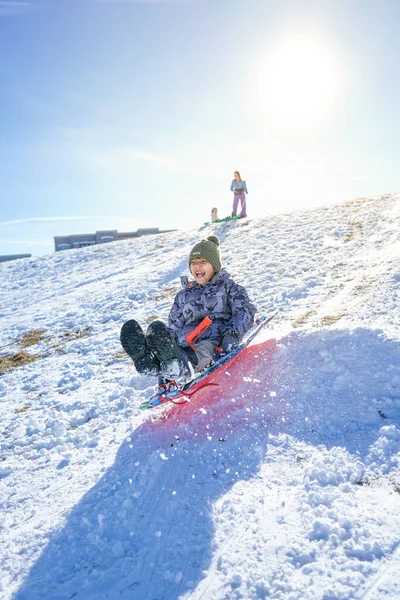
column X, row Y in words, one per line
column 242, row 199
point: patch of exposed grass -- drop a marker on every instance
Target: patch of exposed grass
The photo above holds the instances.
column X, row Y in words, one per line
column 362, row 287
column 117, row 356
column 166, row 293
column 22, row 409
column 8, row 363
column 78, row 333
column 60, row 349
column 356, row 202
column 303, row 318
column 330, row 319
column 323, row 322
column 355, row 229
column 151, row 318
column 68, row 336
column 37, row 335
column 31, row 338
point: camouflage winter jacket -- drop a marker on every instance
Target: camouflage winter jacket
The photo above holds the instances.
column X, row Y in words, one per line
column 222, row 300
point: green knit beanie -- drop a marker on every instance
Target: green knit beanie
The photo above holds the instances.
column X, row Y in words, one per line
column 207, row 250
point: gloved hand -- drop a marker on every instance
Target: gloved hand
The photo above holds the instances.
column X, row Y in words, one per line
column 229, row 341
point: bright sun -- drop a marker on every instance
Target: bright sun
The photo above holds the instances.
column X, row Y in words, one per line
column 300, row 83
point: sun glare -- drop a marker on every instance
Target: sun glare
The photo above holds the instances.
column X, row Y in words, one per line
column 299, row 83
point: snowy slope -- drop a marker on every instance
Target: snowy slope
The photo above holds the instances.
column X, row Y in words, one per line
column 292, row 494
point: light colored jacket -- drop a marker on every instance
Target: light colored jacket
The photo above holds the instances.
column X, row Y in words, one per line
column 238, row 187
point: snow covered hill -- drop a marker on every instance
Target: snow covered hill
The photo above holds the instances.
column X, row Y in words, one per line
column 294, row 495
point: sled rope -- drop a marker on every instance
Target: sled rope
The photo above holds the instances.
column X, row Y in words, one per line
column 190, row 394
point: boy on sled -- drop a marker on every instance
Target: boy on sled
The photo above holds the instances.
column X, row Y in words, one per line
column 164, row 350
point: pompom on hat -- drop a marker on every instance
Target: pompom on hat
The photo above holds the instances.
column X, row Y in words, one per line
column 207, row 250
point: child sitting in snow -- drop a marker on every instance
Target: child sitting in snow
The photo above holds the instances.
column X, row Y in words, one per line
column 163, row 350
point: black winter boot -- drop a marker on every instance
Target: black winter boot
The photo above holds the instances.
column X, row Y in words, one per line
column 134, row 343
column 173, row 361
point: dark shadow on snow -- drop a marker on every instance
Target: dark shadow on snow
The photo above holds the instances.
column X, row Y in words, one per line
column 339, row 387
column 145, row 530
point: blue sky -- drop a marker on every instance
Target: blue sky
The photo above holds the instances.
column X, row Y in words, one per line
column 126, row 113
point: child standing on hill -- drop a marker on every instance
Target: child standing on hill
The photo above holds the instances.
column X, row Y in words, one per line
column 163, row 350
column 239, row 189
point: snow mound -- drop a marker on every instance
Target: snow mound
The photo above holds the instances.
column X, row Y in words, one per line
column 287, row 487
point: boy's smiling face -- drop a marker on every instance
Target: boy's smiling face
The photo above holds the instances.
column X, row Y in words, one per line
column 201, row 270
